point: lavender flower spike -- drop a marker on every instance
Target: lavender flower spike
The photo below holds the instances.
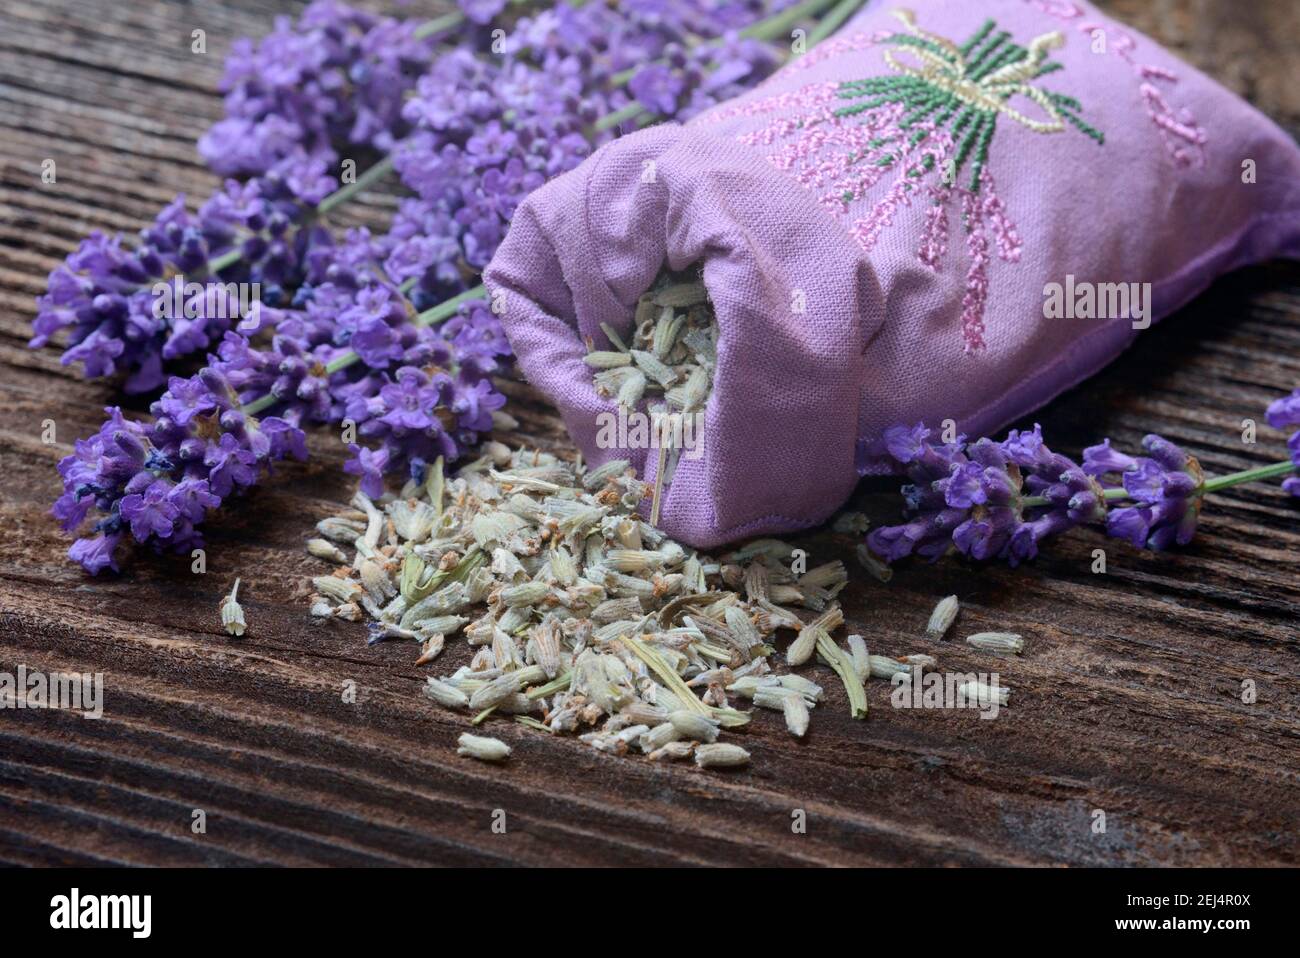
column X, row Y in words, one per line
column 1284, row 413
column 986, row 500
column 1165, row 486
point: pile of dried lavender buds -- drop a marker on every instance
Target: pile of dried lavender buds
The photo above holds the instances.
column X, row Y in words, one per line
column 669, row 364
column 587, row 619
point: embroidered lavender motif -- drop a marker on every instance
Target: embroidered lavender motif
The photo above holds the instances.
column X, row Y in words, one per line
column 929, row 124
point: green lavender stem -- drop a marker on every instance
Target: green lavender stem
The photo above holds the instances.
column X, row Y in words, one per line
column 1248, row 475
column 438, row 24
column 833, row 20
column 777, row 25
column 364, row 181
column 1210, row 485
column 611, row 120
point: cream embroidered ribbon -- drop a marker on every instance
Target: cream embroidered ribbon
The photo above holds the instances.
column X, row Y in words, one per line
column 990, row 93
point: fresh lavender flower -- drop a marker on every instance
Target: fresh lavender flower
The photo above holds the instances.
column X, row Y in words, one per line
column 1284, row 413
column 1164, row 485
column 657, row 88
column 481, row 11
column 157, row 482
column 117, row 304
column 335, row 80
column 426, row 393
column 489, row 132
column 693, row 79
column 337, row 77
column 999, row 500
column 986, row 500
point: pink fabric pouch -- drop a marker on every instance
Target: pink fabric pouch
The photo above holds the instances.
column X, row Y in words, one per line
column 945, row 212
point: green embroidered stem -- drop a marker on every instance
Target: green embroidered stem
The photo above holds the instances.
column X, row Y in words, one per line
column 982, row 150
column 970, row 140
column 966, row 96
column 978, row 37
column 974, row 64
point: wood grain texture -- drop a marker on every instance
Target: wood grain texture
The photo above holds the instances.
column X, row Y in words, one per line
column 1128, row 699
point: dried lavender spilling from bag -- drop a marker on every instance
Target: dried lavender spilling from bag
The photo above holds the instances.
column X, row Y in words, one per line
column 950, row 211
column 583, row 618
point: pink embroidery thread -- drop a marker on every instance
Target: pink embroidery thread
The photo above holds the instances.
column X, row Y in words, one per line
column 934, row 235
column 977, row 277
column 1183, row 136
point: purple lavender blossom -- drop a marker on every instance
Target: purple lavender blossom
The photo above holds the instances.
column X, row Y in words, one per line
column 1284, row 413
column 156, row 481
column 657, row 88
column 334, row 80
column 1165, row 487
column 986, row 500
column 1000, row 500
column 370, row 466
column 132, row 310
column 488, row 132
column 481, row 11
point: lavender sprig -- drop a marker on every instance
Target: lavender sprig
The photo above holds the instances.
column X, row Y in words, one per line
column 337, row 77
column 104, row 294
column 157, row 481
column 998, row 500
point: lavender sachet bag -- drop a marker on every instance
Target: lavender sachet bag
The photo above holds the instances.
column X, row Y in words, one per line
column 954, row 211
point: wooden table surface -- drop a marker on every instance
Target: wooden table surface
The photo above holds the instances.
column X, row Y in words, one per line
column 1128, row 700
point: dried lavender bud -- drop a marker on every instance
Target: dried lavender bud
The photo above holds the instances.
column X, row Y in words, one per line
column 984, row 693
column 942, row 618
column 879, row 570
column 673, row 750
column 805, row 643
column 482, row 748
column 694, row 726
column 859, row 657
column 808, row 689
column 659, row 736
column 324, row 549
column 232, row 613
column 997, row 642
column 796, row 714
column 720, row 755
column 445, row 695
column 851, row 524
column 773, row 697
